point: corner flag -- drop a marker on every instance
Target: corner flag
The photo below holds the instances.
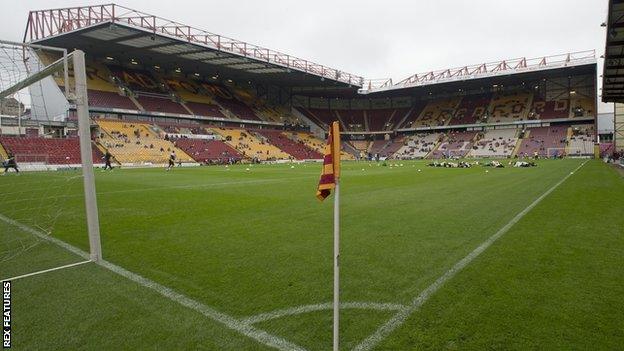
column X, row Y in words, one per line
column 331, row 163
column 330, row 179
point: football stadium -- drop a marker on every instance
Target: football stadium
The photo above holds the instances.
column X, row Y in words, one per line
column 166, row 187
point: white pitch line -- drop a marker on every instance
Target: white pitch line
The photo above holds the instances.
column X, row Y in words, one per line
column 392, row 324
column 321, row 307
column 46, row 270
column 226, row 320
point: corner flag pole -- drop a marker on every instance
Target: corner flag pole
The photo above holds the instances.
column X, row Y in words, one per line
column 330, row 180
column 336, row 265
column 336, row 169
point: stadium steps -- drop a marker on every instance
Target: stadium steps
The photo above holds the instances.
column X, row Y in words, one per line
column 569, row 134
column 342, row 124
column 519, row 144
column 181, row 102
column 103, row 151
column 136, row 102
column 402, row 121
column 366, row 121
column 390, row 121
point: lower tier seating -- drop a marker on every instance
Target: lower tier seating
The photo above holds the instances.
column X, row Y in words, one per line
column 208, row 151
column 495, row 143
column 581, row 142
column 418, row 146
column 543, row 142
column 133, row 142
column 46, row 150
column 455, row 144
column 250, row 146
column 298, row 150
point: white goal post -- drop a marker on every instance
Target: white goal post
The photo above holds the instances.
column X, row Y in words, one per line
column 77, row 94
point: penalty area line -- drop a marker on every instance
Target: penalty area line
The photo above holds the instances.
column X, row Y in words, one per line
column 46, row 271
column 401, row 316
column 228, row 321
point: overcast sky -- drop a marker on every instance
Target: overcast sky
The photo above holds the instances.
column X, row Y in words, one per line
column 378, row 39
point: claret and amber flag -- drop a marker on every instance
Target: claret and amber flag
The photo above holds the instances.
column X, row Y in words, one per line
column 331, row 163
column 330, row 180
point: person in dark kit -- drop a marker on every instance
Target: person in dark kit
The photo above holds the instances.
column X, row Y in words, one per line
column 107, row 160
column 10, row 163
column 172, row 158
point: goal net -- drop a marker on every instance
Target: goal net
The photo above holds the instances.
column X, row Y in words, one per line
column 46, row 178
column 555, row 152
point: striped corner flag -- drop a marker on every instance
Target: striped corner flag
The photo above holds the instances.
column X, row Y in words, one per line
column 331, row 163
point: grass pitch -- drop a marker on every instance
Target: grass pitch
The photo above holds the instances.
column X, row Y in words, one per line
column 257, row 246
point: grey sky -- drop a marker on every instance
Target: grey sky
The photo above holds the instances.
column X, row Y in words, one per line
column 378, row 39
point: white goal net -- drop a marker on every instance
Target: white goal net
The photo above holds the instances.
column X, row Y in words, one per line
column 57, row 201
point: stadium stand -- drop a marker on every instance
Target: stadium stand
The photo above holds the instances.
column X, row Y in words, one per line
column 454, row 144
column 160, row 104
column 582, row 107
column 495, row 143
column 250, row 146
column 53, row 151
column 471, row 109
column 298, row 150
column 509, row 107
column 539, row 140
column 391, row 149
column 380, row 119
column 581, row 141
column 418, row 145
column 549, row 109
column 109, row 99
column 353, row 120
column 133, row 142
column 437, row 113
column 202, row 109
column 208, row 151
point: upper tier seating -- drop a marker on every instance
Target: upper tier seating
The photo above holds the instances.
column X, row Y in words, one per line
column 161, row 104
column 495, row 143
column 540, row 139
column 455, row 144
column 250, row 146
column 549, row 109
column 208, row 151
column 315, row 144
column 380, row 119
column 437, row 113
column 582, row 107
column 202, row 109
column 324, row 117
column 353, row 119
column 108, row 99
column 581, row 142
column 509, row 107
column 414, row 112
column 238, row 108
column 418, row 145
column 134, row 142
column 46, row 150
column 298, row 150
column 471, row 109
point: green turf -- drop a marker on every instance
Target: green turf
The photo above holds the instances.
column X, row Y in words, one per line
column 251, row 242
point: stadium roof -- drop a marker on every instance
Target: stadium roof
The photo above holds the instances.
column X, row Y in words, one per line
column 485, row 70
column 128, row 36
column 613, row 69
column 121, row 33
